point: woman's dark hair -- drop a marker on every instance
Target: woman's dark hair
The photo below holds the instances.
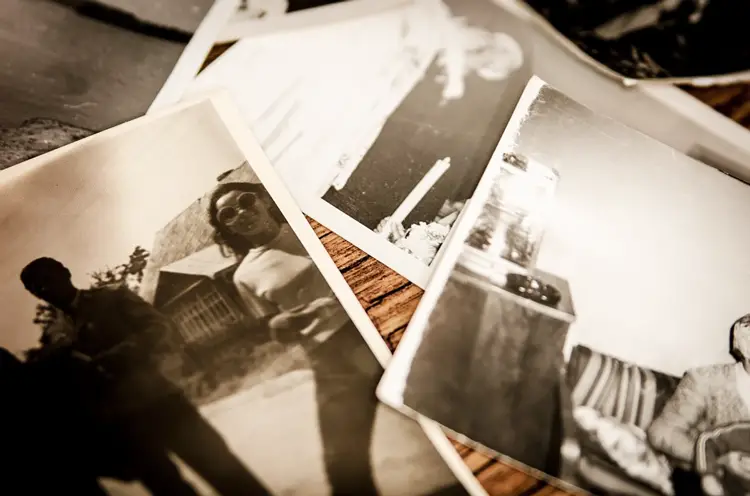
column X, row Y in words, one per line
column 238, row 245
column 742, row 321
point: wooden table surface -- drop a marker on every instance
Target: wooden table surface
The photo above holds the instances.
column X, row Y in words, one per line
column 390, row 301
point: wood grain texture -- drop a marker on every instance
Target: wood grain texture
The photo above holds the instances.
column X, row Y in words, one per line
column 390, row 301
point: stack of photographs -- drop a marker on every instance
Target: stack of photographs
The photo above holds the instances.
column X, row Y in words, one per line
column 173, row 326
column 374, row 170
column 588, row 321
column 381, row 124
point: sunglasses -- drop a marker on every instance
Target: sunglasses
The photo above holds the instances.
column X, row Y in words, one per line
column 245, row 201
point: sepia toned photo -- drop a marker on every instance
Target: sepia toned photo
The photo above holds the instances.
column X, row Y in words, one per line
column 382, row 124
column 589, row 320
column 676, row 41
column 75, row 67
column 168, row 331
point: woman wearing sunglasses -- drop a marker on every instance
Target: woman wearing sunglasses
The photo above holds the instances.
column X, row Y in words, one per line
column 279, row 283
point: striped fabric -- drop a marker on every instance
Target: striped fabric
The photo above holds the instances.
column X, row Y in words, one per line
column 629, row 393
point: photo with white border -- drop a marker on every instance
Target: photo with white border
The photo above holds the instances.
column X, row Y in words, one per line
column 381, row 123
column 180, row 358
column 588, row 321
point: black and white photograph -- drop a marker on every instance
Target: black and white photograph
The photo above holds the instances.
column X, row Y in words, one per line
column 382, row 124
column 173, row 326
column 589, row 321
column 75, row 67
column 674, row 41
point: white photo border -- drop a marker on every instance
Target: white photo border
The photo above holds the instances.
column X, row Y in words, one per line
column 391, row 387
column 193, row 57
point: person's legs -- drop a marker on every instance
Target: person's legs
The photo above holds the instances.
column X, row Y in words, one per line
column 191, row 437
column 160, row 474
column 346, row 416
column 142, row 438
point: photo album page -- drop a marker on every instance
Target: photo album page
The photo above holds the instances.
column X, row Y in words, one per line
column 381, row 124
column 589, row 319
column 173, row 326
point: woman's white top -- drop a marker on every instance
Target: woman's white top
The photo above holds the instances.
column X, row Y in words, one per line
column 281, row 277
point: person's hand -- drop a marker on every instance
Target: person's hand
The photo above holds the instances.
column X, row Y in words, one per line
column 286, row 326
column 711, row 485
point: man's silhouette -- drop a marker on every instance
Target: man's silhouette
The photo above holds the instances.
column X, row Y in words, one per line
column 119, row 333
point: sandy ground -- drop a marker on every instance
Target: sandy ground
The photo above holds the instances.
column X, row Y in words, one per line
column 273, row 427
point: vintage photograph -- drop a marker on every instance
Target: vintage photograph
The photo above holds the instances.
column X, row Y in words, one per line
column 590, row 320
column 75, row 67
column 667, row 40
column 167, row 331
column 381, row 125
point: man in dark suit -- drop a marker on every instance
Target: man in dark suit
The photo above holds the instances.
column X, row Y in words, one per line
column 119, row 333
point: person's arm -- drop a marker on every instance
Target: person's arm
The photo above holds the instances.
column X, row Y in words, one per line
column 673, row 432
column 712, row 445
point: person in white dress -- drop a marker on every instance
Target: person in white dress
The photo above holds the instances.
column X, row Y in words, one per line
column 281, row 286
